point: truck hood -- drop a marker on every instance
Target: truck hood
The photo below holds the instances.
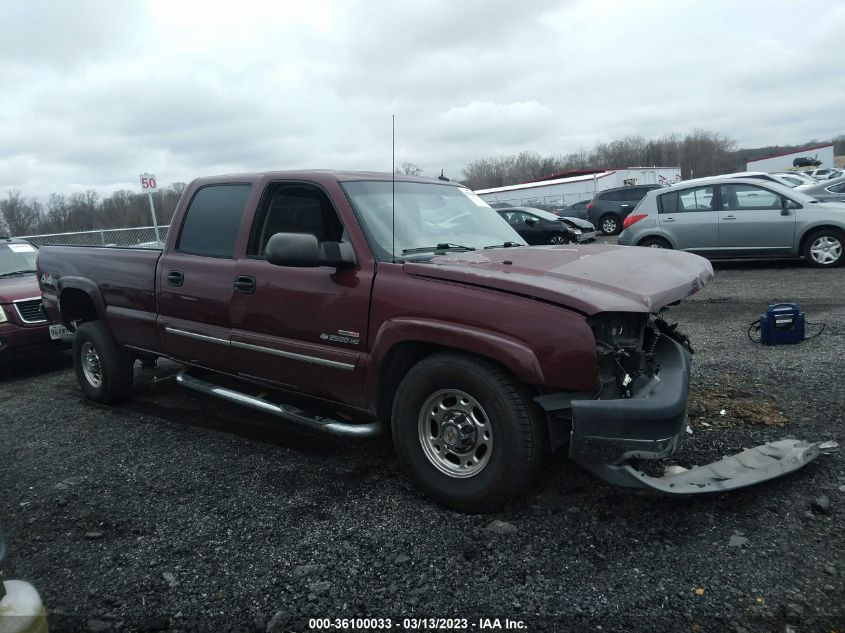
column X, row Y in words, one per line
column 20, row 287
column 589, row 279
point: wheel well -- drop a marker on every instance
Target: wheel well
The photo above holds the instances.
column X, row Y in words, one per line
column 76, row 306
column 399, row 360
column 654, row 237
column 816, row 229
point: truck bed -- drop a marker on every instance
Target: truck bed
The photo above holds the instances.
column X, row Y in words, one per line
column 125, row 277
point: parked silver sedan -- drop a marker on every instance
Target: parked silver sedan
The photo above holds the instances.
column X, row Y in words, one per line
column 828, row 190
column 738, row 218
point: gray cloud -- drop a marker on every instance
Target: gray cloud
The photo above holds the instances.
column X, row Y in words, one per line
column 93, row 93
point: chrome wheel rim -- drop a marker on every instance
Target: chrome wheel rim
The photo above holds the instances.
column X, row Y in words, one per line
column 608, row 226
column 557, row 239
column 655, row 245
column 91, row 366
column 826, row 250
column 455, row 433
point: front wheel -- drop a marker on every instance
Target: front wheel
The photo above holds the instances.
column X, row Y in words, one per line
column 558, row 238
column 823, row 248
column 609, row 225
column 103, row 368
column 466, row 433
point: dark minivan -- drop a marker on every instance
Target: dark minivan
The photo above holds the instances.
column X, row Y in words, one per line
column 609, row 208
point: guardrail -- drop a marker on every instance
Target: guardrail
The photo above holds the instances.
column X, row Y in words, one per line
column 136, row 237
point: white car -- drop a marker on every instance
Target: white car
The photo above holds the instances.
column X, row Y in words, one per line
column 757, row 175
column 823, row 174
column 797, row 179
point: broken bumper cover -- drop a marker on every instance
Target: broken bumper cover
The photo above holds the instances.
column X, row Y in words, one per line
column 751, row 466
column 648, row 425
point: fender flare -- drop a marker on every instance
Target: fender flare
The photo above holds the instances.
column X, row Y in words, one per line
column 503, row 349
column 85, row 285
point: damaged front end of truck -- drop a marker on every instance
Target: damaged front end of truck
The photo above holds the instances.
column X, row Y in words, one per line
column 640, row 413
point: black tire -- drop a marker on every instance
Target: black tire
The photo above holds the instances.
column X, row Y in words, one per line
column 115, row 364
column 654, row 242
column 609, row 224
column 519, row 443
column 816, row 242
column 558, row 238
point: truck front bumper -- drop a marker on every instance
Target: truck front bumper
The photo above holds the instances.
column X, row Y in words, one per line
column 649, row 425
column 605, row 434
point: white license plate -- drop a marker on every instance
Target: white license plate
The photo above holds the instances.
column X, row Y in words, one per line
column 58, row 331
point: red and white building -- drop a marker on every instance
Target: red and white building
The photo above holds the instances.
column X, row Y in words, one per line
column 780, row 162
column 573, row 186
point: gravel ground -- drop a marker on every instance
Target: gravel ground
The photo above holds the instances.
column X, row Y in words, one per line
column 175, row 512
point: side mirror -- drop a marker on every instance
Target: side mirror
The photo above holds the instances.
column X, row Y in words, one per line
column 530, row 221
column 302, row 250
column 786, row 204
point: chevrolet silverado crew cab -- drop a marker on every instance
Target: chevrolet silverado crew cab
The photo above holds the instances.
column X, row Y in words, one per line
column 378, row 302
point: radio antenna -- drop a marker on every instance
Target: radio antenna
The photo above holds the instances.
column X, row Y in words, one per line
column 393, row 192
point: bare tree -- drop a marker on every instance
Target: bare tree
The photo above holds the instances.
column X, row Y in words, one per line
column 407, row 168
column 701, row 153
column 19, row 215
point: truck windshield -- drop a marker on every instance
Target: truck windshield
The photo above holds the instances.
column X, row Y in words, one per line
column 17, row 259
column 429, row 217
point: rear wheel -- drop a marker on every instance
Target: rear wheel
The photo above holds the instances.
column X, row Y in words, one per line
column 103, row 368
column 466, row 433
column 824, row 248
column 654, row 242
column 609, row 224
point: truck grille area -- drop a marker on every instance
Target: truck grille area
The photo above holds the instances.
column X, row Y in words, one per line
column 31, row 311
column 626, row 345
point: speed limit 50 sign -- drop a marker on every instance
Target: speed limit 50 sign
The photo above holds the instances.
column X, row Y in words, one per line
column 148, row 182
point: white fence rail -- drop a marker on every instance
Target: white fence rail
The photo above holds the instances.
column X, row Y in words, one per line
column 137, row 237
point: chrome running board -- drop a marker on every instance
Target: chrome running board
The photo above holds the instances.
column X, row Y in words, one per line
column 284, row 411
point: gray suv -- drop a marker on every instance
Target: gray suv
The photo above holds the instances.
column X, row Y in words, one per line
column 608, row 208
column 739, row 217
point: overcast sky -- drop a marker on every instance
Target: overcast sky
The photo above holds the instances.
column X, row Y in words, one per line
column 94, row 92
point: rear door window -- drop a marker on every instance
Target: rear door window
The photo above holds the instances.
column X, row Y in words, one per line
column 212, row 221
column 697, row 199
column 516, row 217
column 619, row 194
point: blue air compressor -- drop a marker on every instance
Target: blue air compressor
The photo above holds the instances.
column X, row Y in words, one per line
column 782, row 324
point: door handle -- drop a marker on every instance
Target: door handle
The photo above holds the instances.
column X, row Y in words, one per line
column 729, row 217
column 175, row 277
column 245, row 284
column 668, row 219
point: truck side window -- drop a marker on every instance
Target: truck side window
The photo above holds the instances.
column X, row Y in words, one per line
column 295, row 209
column 212, row 221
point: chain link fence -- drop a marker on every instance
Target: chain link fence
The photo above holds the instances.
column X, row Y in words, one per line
column 137, row 237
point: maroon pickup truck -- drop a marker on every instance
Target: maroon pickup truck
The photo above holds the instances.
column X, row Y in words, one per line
column 378, row 302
